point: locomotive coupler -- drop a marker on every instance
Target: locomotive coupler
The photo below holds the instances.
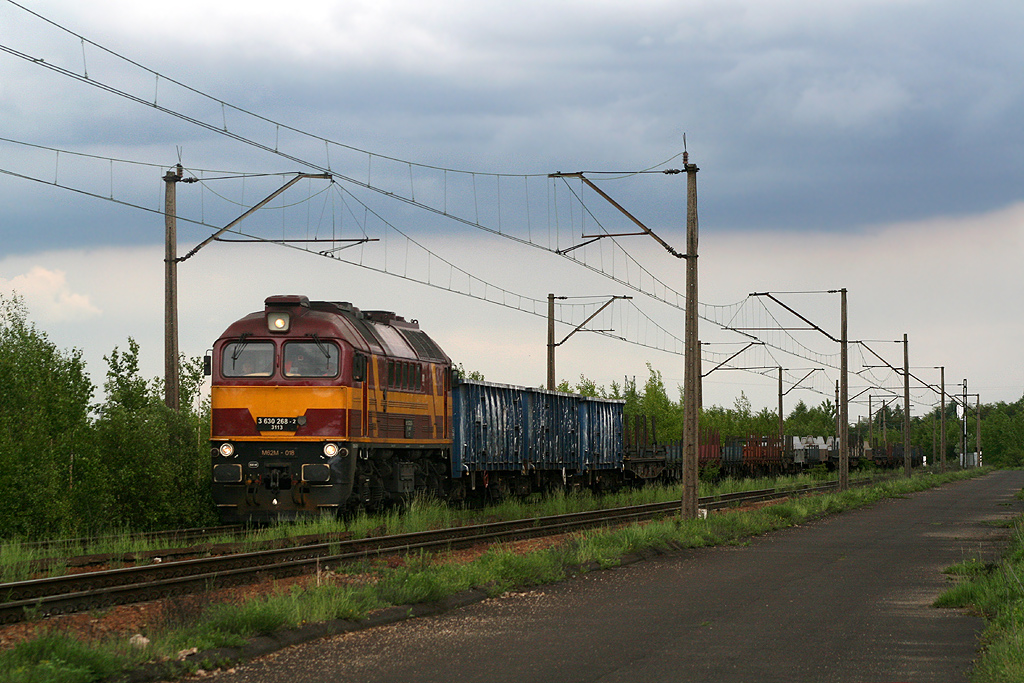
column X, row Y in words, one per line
column 252, row 487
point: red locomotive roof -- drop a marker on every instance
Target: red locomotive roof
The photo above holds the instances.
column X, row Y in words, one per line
column 378, row 332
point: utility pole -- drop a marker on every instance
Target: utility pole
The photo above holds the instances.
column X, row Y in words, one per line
column 934, row 438
column 942, row 419
column 879, row 414
column 171, row 260
column 842, row 388
column 843, row 407
column 551, row 341
column 871, row 426
column 906, row 407
column 171, row 384
column 692, row 380
column 885, row 426
column 977, row 431
column 551, row 332
column 782, row 434
column 963, row 431
column 836, row 425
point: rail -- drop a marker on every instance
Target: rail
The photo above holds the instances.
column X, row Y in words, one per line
column 99, row 589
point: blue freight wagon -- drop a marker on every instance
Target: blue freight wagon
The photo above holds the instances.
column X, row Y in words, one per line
column 518, row 437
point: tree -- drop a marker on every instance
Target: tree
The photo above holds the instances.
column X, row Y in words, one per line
column 585, row 387
column 654, row 404
column 765, row 422
column 45, row 434
column 742, row 406
column 156, row 458
column 472, row 375
column 739, row 421
column 1002, row 434
column 818, row 421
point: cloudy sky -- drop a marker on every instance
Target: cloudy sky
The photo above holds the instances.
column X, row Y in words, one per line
column 868, row 144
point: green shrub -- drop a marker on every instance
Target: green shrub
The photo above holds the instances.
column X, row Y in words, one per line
column 155, row 459
column 57, row 659
column 45, row 433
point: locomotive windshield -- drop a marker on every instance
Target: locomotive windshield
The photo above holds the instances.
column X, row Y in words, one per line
column 310, row 359
column 247, row 359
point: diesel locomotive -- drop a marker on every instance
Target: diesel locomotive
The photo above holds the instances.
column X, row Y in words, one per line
column 320, row 407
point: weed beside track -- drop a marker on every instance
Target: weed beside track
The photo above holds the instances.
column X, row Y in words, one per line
column 353, row 592
column 996, row 591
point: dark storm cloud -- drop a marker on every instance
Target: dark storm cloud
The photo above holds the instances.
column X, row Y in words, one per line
column 802, row 115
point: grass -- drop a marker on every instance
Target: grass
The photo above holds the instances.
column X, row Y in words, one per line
column 14, row 561
column 995, row 591
column 191, row 622
column 57, row 658
column 16, row 557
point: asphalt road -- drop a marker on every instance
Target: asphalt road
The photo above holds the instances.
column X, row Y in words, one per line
column 847, row 598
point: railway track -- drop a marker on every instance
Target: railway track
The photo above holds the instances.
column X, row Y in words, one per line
column 178, row 552
column 99, row 589
column 173, row 535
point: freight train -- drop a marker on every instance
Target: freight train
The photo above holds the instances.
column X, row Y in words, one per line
column 759, row 455
column 319, row 407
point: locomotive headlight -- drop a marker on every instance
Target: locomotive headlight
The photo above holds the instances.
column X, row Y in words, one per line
column 330, row 449
column 278, row 322
column 226, row 449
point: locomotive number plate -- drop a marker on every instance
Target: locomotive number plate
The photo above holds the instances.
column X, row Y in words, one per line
column 277, row 424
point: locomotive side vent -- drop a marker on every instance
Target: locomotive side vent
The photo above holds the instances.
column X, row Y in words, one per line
column 424, row 345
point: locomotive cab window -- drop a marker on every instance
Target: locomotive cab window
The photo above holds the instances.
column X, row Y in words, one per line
column 310, row 359
column 247, row 359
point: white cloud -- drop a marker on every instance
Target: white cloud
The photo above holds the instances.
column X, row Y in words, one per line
column 49, row 297
column 949, row 283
